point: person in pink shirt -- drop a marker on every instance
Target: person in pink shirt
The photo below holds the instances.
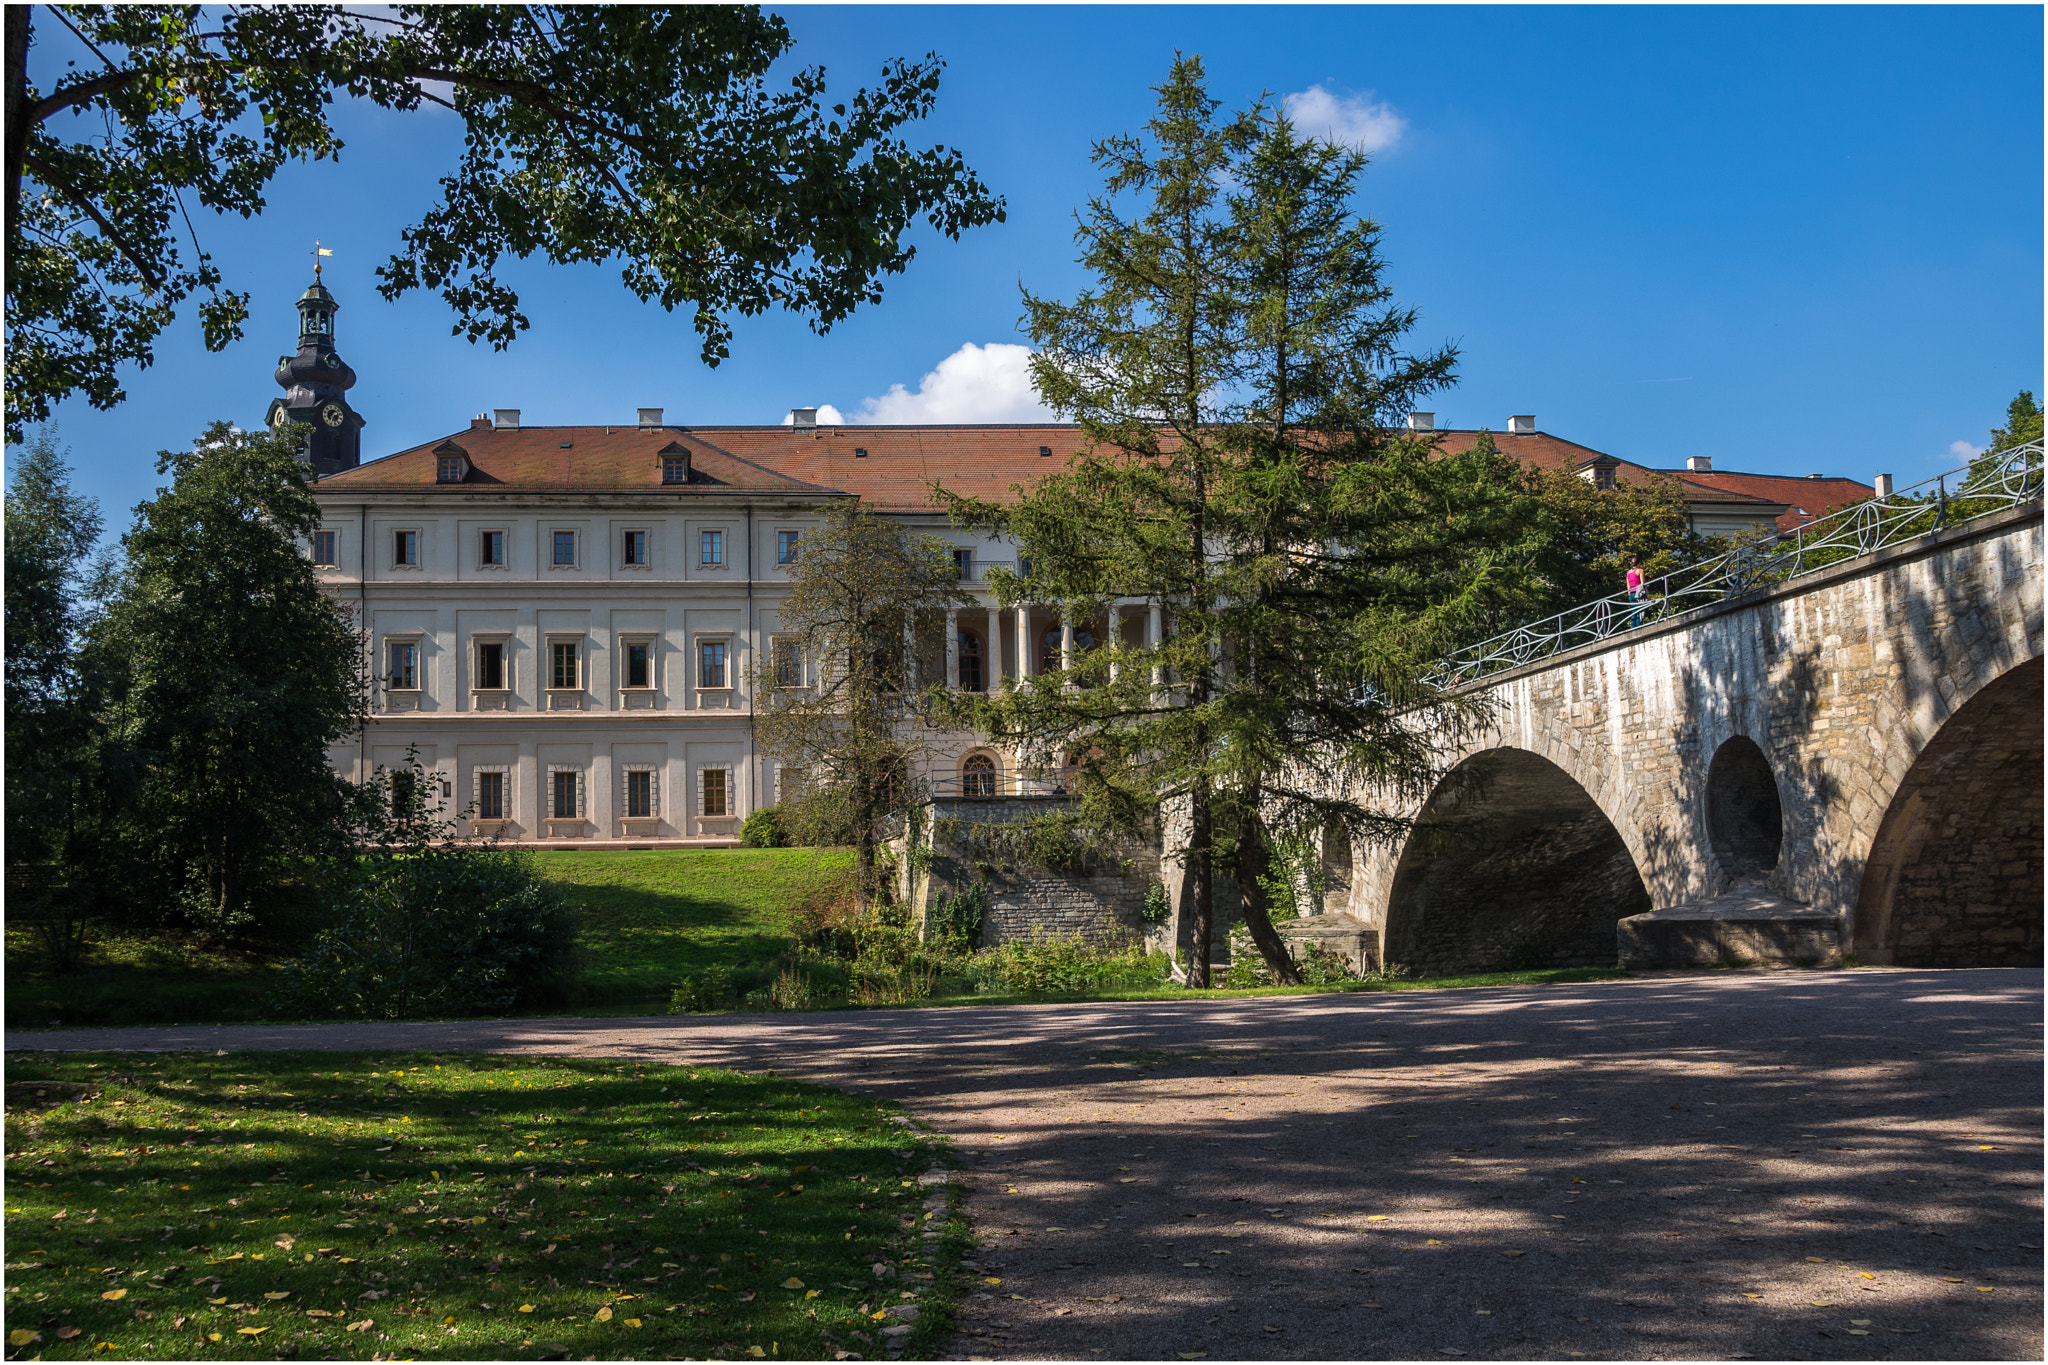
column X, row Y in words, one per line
column 1635, row 590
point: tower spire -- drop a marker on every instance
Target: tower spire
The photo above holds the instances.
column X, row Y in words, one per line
column 316, row 382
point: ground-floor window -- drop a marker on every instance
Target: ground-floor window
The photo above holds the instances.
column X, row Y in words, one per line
column 715, row 786
column 490, row 796
column 563, row 801
column 639, row 794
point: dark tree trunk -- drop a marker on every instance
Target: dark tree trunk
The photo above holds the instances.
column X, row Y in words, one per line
column 1201, row 825
column 17, row 132
column 1255, row 860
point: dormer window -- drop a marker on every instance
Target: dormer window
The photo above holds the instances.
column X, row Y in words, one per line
column 675, row 463
column 448, row 468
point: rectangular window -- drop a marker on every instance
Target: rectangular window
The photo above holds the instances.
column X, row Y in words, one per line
column 636, row 547
column 675, row 469
column 490, row 665
column 717, row 799
column 491, row 549
column 323, row 549
column 711, row 549
column 405, row 548
column 639, row 664
column 639, row 795
column 490, row 796
column 562, row 801
column 565, row 549
column 403, row 791
column 562, row 664
column 785, row 547
column 963, row 564
column 405, row 666
column 711, row 663
column 448, row 469
column 789, row 664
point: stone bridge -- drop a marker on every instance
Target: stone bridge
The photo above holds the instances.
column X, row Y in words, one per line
column 1849, row 762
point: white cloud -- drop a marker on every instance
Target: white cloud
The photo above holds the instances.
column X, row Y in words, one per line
column 1358, row 121
column 828, row 416
column 1963, row 450
column 989, row 383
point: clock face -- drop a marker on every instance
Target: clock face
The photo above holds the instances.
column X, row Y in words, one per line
column 332, row 414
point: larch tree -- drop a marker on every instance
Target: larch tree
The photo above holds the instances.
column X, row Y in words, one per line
column 842, row 695
column 645, row 135
column 1237, row 370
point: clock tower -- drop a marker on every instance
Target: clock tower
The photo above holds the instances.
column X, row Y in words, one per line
column 316, row 382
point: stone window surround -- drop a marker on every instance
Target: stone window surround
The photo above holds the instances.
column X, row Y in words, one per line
column 415, row 638
column 419, row 548
column 580, row 641
column 582, row 794
column 697, row 643
column 653, row 790
column 476, row 793
column 723, row 564
column 652, row 640
column 547, row 544
column 504, row 534
column 731, row 796
column 503, row 639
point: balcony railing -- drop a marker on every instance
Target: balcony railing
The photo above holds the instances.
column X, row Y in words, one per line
column 1987, row 485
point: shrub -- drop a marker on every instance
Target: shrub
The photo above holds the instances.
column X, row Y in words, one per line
column 1157, row 907
column 762, row 829
column 437, row 930
column 701, row 992
column 1068, row 962
column 959, row 915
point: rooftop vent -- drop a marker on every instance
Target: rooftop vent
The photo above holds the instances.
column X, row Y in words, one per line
column 1699, row 464
column 860, row 452
column 1422, row 421
column 650, row 417
column 804, row 419
column 1816, row 476
column 1521, row 426
column 1884, row 485
column 505, row 419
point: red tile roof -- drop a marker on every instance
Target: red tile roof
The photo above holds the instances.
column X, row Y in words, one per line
column 894, row 466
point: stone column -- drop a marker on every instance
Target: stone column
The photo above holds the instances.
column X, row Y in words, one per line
column 952, row 650
column 1116, row 637
column 1152, row 638
column 992, row 665
column 1024, row 662
column 1067, row 645
column 909, row 653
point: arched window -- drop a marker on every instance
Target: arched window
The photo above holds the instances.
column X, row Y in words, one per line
column 978, row 776
column 1049, row 648
column 971, row 675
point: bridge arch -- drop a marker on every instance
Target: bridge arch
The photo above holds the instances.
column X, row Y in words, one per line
column 1514, row 866
column 1745, row 817
column 1954, row 873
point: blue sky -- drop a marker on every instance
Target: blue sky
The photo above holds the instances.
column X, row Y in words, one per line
column 1799, row 240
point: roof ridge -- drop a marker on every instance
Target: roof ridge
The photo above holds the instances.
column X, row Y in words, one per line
column 753, row 464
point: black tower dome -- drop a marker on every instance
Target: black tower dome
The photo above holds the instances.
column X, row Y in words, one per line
column 316, row 383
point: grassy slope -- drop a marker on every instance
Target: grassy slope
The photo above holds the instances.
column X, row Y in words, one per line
column 253, row 1206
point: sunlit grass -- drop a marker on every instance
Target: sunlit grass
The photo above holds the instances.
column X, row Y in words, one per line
column 252, row 1205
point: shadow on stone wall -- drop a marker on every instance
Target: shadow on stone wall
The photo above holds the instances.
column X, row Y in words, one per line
column 1517, row 871
column 1954, row 875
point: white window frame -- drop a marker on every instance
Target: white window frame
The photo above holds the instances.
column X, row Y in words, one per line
column 503, row 640
column 504, row 535
column 646, row 564
column 565, row 698
column 653, row 771
column 419, row 547
column 576, row 557
column 731, row 663
column 476, row 794
column 653, row 643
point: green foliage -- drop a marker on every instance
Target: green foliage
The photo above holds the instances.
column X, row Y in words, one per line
column 762, row 829
column 670, row 156
column 1157, row 906
column 1067, row 963
column 959, row 915
column 703, row 992
column 842, row 697
column 55, row 737
column 2022, row 423
column 1239, row 373
column 1054, row 840
column 420, row 923
column 552, row 1169
column 233, row 674
column 1590, row 534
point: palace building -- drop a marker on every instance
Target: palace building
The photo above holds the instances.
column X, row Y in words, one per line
column 563, row 620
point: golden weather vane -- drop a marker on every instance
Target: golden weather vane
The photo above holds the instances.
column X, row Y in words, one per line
column 318, row 252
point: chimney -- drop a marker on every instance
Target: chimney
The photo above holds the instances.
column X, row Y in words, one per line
column 650, row 418
column 804, row 419
column 1422, row 421
column 1521, row 426
column 1699, row 464
column 1884, row 485
column 505, row 419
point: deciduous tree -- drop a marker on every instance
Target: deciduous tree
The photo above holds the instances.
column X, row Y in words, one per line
column 638, row 134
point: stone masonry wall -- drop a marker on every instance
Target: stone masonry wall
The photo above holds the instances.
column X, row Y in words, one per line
column 1842, row 679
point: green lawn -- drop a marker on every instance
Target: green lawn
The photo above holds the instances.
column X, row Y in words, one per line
column 257, row 1206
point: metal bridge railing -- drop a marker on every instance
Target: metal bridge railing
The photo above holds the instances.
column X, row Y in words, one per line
column 1991, row 483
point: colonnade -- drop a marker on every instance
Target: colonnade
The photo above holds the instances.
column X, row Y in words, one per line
column 1027, row 638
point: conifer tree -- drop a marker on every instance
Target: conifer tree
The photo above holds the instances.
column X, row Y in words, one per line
column 1236, row 371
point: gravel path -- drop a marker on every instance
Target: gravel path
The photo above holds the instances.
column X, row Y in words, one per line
column 1823, row 1165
